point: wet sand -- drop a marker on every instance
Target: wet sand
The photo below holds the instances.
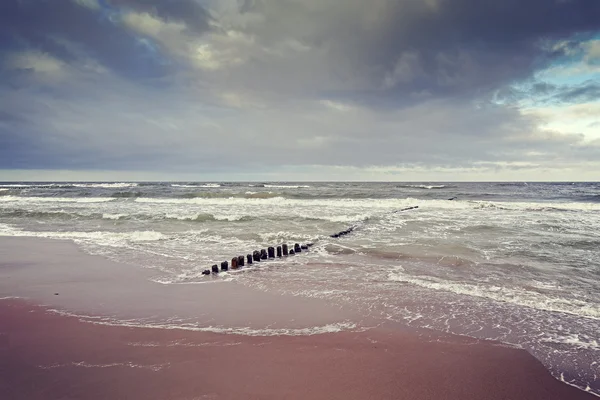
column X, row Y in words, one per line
column 47, row 355
column 36, row 269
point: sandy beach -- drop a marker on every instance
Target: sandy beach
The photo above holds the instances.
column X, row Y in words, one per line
column 47, row 356
column 48, row 353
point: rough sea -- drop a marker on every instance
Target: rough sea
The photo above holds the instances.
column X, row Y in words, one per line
column 514, row 262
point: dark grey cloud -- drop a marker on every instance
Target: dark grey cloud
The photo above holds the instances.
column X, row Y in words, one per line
column 70, row 31
column 191, row 12
column 443, row 47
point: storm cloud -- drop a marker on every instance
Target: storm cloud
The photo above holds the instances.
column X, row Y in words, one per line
column 260, row 86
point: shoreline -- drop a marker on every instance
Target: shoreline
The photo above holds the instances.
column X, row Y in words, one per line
column 304, row 340
column 45, row 356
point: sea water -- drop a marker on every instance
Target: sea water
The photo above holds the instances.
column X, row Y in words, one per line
column 513, row 262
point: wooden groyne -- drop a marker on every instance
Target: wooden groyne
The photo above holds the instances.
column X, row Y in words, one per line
column 280, row 251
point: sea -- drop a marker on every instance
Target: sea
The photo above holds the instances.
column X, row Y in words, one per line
column 513, row 262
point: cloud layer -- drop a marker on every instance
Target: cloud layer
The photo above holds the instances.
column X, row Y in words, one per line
column 249, row 88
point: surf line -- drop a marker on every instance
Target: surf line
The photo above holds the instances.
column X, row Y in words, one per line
column 282, row 251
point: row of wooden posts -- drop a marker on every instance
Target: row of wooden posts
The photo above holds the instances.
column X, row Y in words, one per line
column 257, row 256
column 282, row 251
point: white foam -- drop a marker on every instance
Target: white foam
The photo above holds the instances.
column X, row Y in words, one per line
column 83, row 364
column 287, row 186
column 519, row 297
column 99, row 237
column 382, row 204
column 245, row 331
column 427, row 186
column 56, row 199
column 105, row 185
column 208, row 185
column 576, row 340
column 114, row 216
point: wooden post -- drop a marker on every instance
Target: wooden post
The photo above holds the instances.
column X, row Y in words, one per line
column 206, row 272
column 271, row 252
column 263, row 254
column 284, row 247
column 297, row 248
column 224, row 266
column 292, row 252
column 240, row 261
column 304, row 247
column 256, row 255
column 215, row 269
column 249, row 259
column 278, row 251
column 234, row 264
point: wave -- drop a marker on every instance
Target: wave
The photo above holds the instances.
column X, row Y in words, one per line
column 105, row 185
column 429, row 187
column 106, row 238
column 245, row 331
column 228, row 195
column 56, row 199
column 286, row 186
column 519, row 297
column 127, row 194
column 207, row 185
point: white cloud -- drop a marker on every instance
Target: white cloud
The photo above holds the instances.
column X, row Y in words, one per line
column 35, row 61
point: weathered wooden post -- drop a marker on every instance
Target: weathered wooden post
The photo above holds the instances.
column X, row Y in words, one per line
column 263, row 254
column 240, row 261
column 206, row 272
column 284, row 247
column 234, row 264
column 304, row 247
column 224, row 266
column 292, row 252
column 271, row 252
column 278, row 251
column 215, row 269
column 249, row 259
column 297, row 248
column 256, row 255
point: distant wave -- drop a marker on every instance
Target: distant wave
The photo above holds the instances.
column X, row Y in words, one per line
column 286, row 186
column 127, row 194
column 429, row 187
column 71, row 185
column 227, row 195
column 207, row 185
column 105, row 185
column 56, row 199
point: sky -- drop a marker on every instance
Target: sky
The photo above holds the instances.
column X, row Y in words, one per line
column 284, row 90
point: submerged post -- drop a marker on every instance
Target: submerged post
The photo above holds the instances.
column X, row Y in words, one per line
column 256, row 255
column 224, row 266
column 249, row 259
column 240, row 261
column 297, row 248
column 284, row 247
column 271, row 252
column 215, row 269
column 278, row 251
column 263, row 254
